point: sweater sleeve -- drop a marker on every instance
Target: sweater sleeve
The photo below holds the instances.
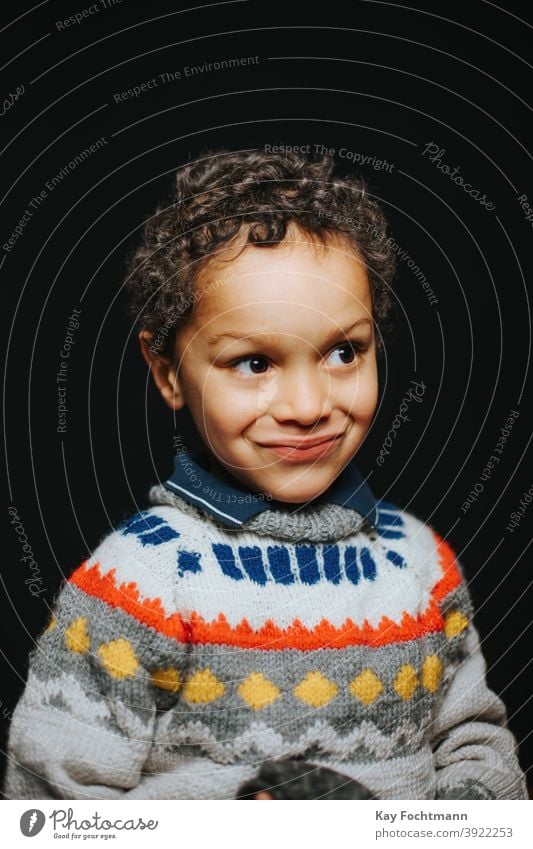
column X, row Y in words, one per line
column 474, row 753
column 84, row 723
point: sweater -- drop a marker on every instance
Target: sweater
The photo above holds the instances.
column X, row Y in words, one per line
column 211, row 632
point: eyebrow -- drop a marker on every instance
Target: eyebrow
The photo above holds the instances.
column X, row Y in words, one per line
column 213, row 340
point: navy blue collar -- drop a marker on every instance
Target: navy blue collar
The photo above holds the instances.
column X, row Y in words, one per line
column 234, row 504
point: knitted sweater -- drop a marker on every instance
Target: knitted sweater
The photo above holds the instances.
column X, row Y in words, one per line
column 183, row 653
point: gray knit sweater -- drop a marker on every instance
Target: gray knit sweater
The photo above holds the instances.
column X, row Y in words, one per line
column 182, row 654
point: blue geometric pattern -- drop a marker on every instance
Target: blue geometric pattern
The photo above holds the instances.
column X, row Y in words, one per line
column 307, row 564
column 226, row 558
column 252, row 560
column 390, row 521
column 280, row 564
column 188, row 561
column 332, row 563
column 369, row 565
column 350, row 564
column 396, row 559
column 149, row 529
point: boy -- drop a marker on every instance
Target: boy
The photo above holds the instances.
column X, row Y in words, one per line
column 265, row 607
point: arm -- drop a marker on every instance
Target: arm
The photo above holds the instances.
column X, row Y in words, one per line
column 92, row 722
column 474, row 753
column 83, row 726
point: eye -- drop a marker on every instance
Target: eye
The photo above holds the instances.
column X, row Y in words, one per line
column 257, row 364
column 349, row 353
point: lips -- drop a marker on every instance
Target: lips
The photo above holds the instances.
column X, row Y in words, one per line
column 311, row 449
column 301, row 443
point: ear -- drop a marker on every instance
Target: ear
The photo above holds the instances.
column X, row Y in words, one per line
column 164, row 374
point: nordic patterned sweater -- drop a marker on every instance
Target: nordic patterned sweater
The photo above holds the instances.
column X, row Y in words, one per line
column 186, row 650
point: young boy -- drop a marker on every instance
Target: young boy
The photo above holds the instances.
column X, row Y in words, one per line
column 265, row 607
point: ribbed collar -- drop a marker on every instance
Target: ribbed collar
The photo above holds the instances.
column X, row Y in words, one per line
column 234, row 505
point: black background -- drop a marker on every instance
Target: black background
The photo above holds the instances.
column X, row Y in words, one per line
column 381, row 79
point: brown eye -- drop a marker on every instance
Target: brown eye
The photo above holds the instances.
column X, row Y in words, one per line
column 258, row 365
column 348, row 353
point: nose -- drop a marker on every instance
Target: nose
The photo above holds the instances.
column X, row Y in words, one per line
column 301, row 394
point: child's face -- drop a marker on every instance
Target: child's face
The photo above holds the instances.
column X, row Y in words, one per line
column 291, row 374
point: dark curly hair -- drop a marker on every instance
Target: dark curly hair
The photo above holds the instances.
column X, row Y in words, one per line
column 228, row 194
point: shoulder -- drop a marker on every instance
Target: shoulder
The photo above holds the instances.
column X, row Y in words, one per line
column 394, row 523
column 438, row 566
column 418, row 543
column 136, row 560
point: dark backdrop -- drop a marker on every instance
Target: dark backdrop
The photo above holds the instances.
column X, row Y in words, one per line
column 377, row 79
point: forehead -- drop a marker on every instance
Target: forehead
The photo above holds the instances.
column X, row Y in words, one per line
column 295, row 281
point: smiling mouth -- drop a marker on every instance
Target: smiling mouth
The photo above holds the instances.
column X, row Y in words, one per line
column 302, row 451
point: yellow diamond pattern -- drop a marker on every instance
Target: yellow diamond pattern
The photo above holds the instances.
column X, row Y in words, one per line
column 118, row 658
column 454, row 623
column 76, row 636
column 316, row 690
column 203, row 687
column 366, row 686
column 431, row 672
column 166, row 679
column 406, row 682
column 257, row 691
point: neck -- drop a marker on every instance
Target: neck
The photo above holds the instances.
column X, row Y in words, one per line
column 317, row 522
column 215, row 468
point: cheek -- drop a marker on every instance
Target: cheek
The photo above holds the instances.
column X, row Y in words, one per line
column 249, row 400
column 363, row 398
column 231, row 416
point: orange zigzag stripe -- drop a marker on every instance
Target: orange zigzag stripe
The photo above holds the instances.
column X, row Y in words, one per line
column 195, row 629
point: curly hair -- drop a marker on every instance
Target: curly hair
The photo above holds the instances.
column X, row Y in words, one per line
column 229, row 194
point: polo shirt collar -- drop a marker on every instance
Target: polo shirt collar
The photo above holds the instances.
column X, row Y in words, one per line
column 233, row 505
